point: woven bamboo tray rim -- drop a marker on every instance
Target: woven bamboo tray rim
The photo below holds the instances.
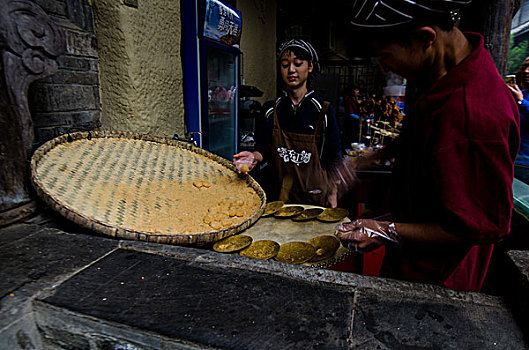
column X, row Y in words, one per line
column 105, row 228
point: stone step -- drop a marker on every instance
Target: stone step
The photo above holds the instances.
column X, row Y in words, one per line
column 145, row 295
column 71, row 290
column 33, row 261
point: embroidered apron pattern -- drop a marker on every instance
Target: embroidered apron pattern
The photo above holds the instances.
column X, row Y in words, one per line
column 296, row 165
column 289, row 155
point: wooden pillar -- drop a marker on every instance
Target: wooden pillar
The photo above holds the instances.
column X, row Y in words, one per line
column 29, row 44
column 492, row 18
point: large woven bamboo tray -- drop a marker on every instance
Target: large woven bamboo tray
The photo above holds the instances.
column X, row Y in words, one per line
column 144, row 187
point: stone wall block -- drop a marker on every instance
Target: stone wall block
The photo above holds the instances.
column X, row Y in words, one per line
column 66, row 119
column 44, row 134
column 93, row 65
column 52, row 7
column 86, row 118
column 79, row 14
column 80, row 43
column 63, row 98
column 43, row 120
column 38, row 96
column 73, row 77
column 77, row 63
column 72, row 97
column 69, row 100
column 97, row 98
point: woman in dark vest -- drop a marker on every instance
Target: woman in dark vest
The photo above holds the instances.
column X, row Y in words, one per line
column 297, row 139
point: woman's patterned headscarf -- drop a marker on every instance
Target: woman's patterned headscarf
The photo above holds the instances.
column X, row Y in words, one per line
column 303, row 45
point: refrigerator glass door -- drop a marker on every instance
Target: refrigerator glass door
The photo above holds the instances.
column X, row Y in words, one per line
column 222, row 102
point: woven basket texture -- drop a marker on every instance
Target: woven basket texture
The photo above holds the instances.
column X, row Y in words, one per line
column 143, row 187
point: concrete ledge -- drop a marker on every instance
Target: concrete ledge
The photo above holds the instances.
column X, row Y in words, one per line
column 335, row 278
column 71, row 290
column 200, row 297
column 33, row 261
column 63, row 329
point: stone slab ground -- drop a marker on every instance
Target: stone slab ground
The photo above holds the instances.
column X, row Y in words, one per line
column 67, row 290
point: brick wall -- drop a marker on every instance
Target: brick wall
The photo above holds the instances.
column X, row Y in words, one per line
column 69, row 100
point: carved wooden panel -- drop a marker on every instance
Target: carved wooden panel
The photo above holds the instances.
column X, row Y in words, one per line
column 29, row 45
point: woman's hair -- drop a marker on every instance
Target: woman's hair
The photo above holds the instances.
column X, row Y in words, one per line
column 302, row 49
column 300, row 53
column 519, row 74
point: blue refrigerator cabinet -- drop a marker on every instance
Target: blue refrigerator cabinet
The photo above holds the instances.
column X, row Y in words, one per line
column 210, row 56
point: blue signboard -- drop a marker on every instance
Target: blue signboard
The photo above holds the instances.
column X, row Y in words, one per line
column 222, row 23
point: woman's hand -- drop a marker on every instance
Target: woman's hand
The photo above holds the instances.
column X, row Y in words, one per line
column 516, row 92
column 245, row 161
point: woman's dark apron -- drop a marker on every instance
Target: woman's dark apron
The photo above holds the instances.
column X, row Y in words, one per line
column 296, row 164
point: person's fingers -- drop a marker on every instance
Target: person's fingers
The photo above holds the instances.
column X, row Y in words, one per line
column 351, row 226
column 344, row 227
column 355, row 225
column 351, row 236
column 344, row 237
column 242, row 154
column 514, row 89
column 353, row 246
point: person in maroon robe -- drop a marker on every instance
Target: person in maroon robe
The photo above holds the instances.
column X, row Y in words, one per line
column 451, row 196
